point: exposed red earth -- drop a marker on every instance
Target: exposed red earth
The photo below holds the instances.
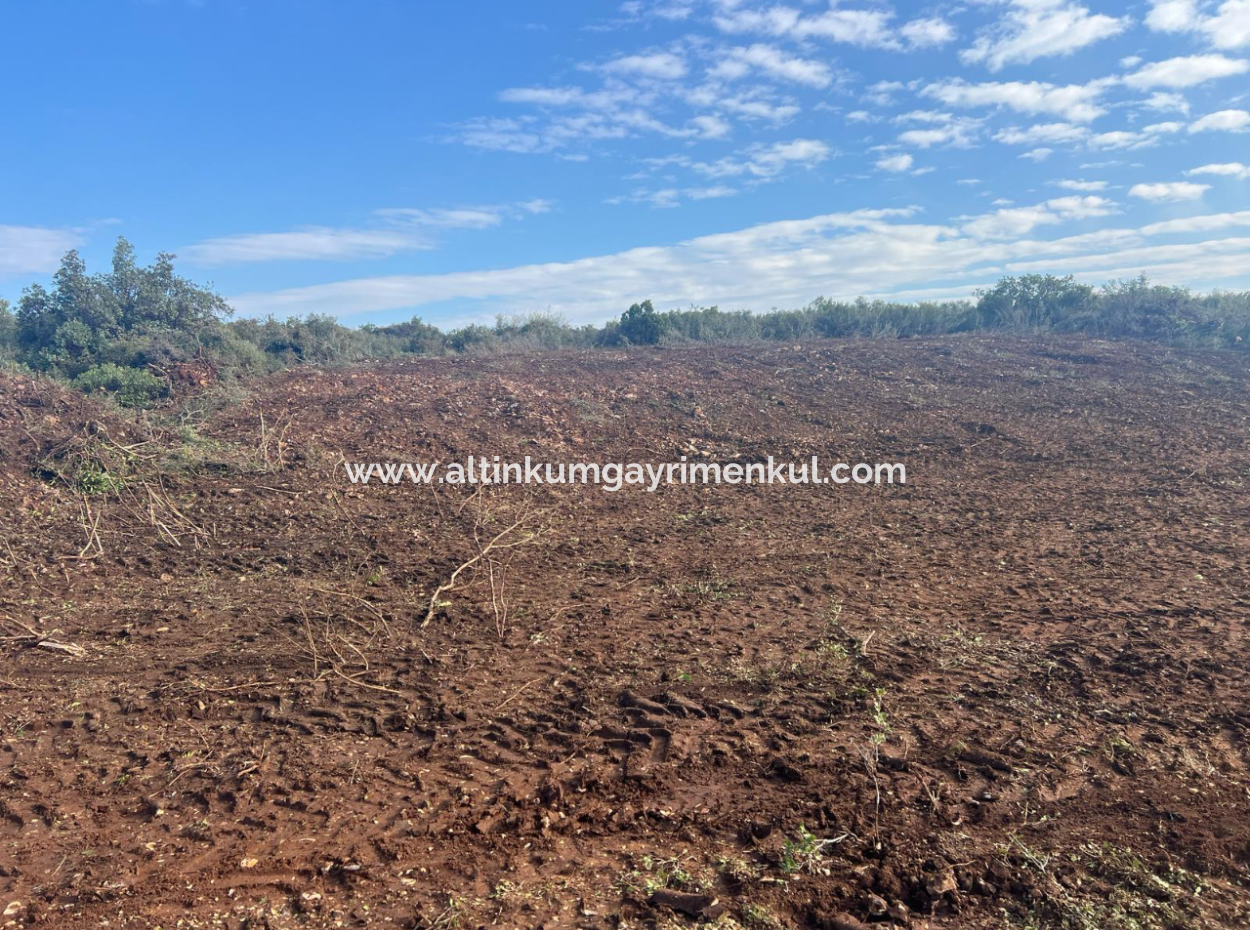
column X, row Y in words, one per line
column 1011, row 693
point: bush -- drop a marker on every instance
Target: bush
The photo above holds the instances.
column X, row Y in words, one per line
column 641, row 325
column 8, row 332
column 1035, row 301
column 130, row 387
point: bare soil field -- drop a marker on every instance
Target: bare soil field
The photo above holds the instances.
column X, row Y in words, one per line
column 1011, row 693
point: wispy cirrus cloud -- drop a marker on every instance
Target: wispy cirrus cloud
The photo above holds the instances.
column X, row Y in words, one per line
column 34, row 249
column 401, row 229
column 313, row 243
column 788, row 262
column 668, row 198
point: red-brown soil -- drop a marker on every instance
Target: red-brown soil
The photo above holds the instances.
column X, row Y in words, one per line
column 1010, row 693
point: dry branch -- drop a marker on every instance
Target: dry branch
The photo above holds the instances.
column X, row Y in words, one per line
column 495, row 544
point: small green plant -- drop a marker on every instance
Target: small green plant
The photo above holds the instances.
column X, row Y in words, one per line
column 806, row 853
column 880, row 717
column 657, row 873
column 738, row 871
column 94, row 479
column 758, row 917
column 130, row 387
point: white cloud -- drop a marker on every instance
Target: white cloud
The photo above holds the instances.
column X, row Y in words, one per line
column 867, row 28
column 1079, row 102
column 1194, row 224
column 1042, row 132
column 1084, row 186
column 767, row 161
column 660, row 65
column 1033, row 29
column 1230, row 26
column 882, row 92
column 714, row 192
column 34, row 249
column 776, row 63
column 503, row 135
column 1145, row 138
column 1172, row 15
column 1222, row 121
column 1232, row 169
column 787, row 263
column 1187, row 71
column 620, row 95
column 670, row 197
column 1038, row 154
column 1227, row 28
column 928, row 33
column 455, row 218
column 1012, row 222
column 754, row 108
column 1165, row 102
column 711, row 127
column 854, row 27
column 1168, row 191
column 407, row 229
column 318, row 242
column 895, row 163
column 942, row 129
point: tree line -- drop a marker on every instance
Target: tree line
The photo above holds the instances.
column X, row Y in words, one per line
column 121, row 331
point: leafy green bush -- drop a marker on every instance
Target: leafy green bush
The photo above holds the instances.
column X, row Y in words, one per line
column 1035, row 301
column 80, row 323
column 641, row 325
column 130, row 387
column 8, row 332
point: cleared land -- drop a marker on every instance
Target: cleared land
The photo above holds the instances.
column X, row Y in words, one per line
column 1011, row 693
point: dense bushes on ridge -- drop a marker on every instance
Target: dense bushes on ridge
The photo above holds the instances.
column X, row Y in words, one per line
column 119, row 332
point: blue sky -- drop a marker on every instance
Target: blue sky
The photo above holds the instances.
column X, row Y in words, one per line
column 457, row 160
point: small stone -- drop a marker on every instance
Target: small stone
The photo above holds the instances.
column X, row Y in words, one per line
column 14, row 908
column 877, row 906
column 942, row 883
column 696, row 905
column 249, row 863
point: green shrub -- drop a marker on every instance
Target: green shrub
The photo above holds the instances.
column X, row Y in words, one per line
column 130, row 387
column 8, row 331
column 641, row 325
